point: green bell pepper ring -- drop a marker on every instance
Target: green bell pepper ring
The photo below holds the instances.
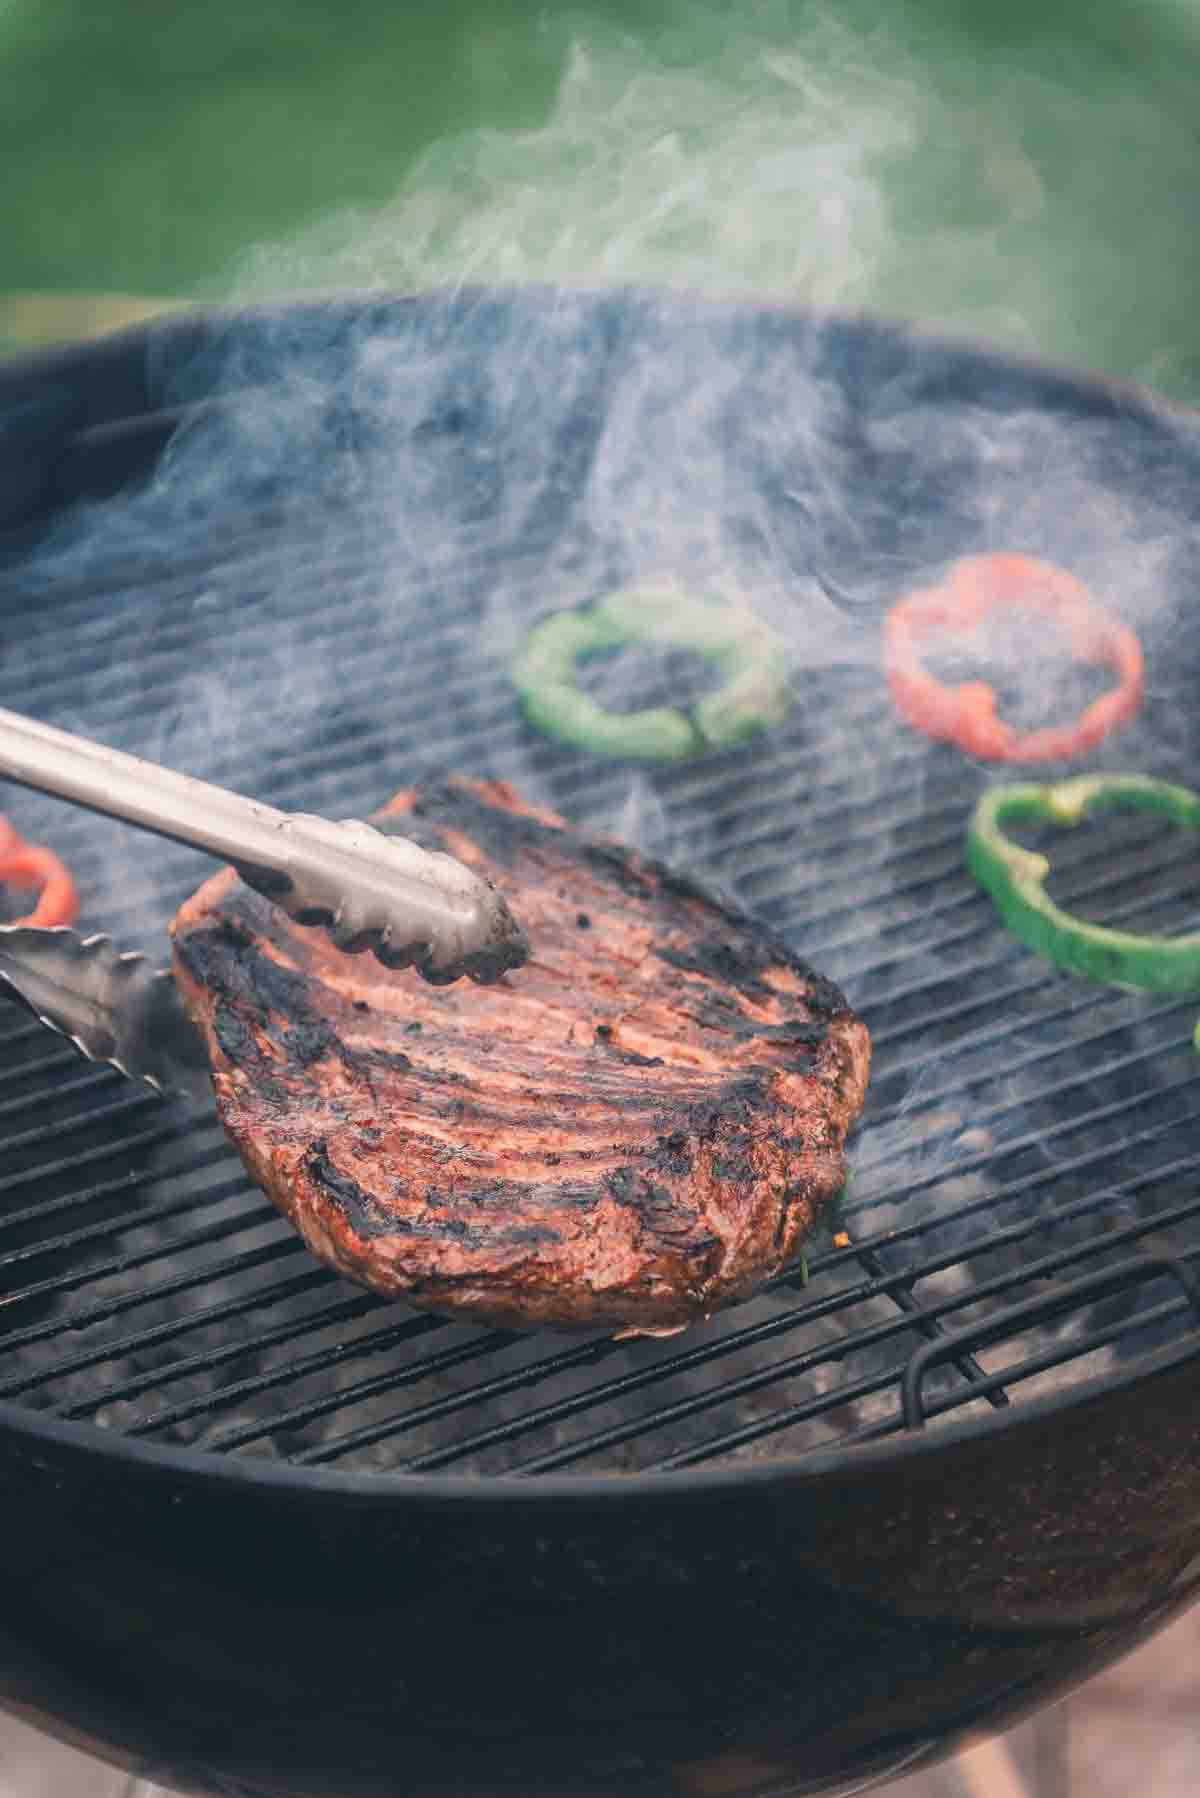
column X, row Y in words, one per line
column 752, row 697
column 1016, row 880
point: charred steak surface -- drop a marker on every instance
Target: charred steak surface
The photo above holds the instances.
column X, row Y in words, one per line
column 635, row 1130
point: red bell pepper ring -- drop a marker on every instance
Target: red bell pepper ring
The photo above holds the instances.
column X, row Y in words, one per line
column 975, row 588
column 29, row 865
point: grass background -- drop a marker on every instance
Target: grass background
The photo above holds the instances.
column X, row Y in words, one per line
column 148, row 145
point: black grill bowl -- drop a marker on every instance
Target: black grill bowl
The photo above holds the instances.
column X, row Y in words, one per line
column 263, row 1534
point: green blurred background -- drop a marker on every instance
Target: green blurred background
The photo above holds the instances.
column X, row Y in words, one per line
column 1035, row 178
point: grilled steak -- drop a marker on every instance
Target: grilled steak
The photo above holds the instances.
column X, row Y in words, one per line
column 636, row 1129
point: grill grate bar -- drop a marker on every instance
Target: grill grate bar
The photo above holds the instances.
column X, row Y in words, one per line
column 843, row 1300
column 71, row 1164
column 849, row 1394
column 247, row 638
column 986, row 1114
column 891, row 1236
column 501, row 1384
column 249, row 641
column 1093, row 999
column 150, row 1214
column 886, row 1330
column 938, row 837
column 348, row 1311
column 1031, row 1139
column 122, row 1264
column 93, row 1078
column 138, row 1341
column 144, row 1216
column 249, row 626
column 103, row 1310
column 880, row 1038
column 1009, row 1235
column 441, row 1362
column 927, row 1322
column 827, row 834
column 1105, row 1336
column 620, row 1387
column 47, row 1170
column 876, row 1286
column 123, row 1106
column 450, row 614
column 1019, row 1189
column 252, row 535
column 1010, row 951
column 311, row 773
column 1167, row 893
column 952, row 837
column 121, row 1183
column 425, row 660
column 954, row 899
column 37, row 1066
column 1076, row 1349
column 956, row 1012
column 24, row 1025
column 252, row 627
column 864, row 875
column 328, row 767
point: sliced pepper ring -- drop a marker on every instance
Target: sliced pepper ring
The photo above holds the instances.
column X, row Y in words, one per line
column 752, row 697
column 1016, row 880
column 967, row 714
column 29, row 865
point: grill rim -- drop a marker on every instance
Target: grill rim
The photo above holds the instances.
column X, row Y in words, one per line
column 196, row 328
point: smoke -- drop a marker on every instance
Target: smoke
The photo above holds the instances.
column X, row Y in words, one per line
column 318, row 597
column 497, row 462
column 760, row 169
column 510, row 461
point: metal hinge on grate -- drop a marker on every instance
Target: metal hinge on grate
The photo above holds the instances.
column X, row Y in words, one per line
column 1031, row 1312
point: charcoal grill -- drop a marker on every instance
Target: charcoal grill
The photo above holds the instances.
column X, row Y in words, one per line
column 266, row 1534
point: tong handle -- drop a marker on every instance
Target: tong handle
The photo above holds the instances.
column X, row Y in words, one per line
column 408, row 905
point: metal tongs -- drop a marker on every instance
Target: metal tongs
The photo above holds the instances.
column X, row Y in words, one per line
column 411, row 907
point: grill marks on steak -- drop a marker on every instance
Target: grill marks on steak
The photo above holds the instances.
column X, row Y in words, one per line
column 635, row 1130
